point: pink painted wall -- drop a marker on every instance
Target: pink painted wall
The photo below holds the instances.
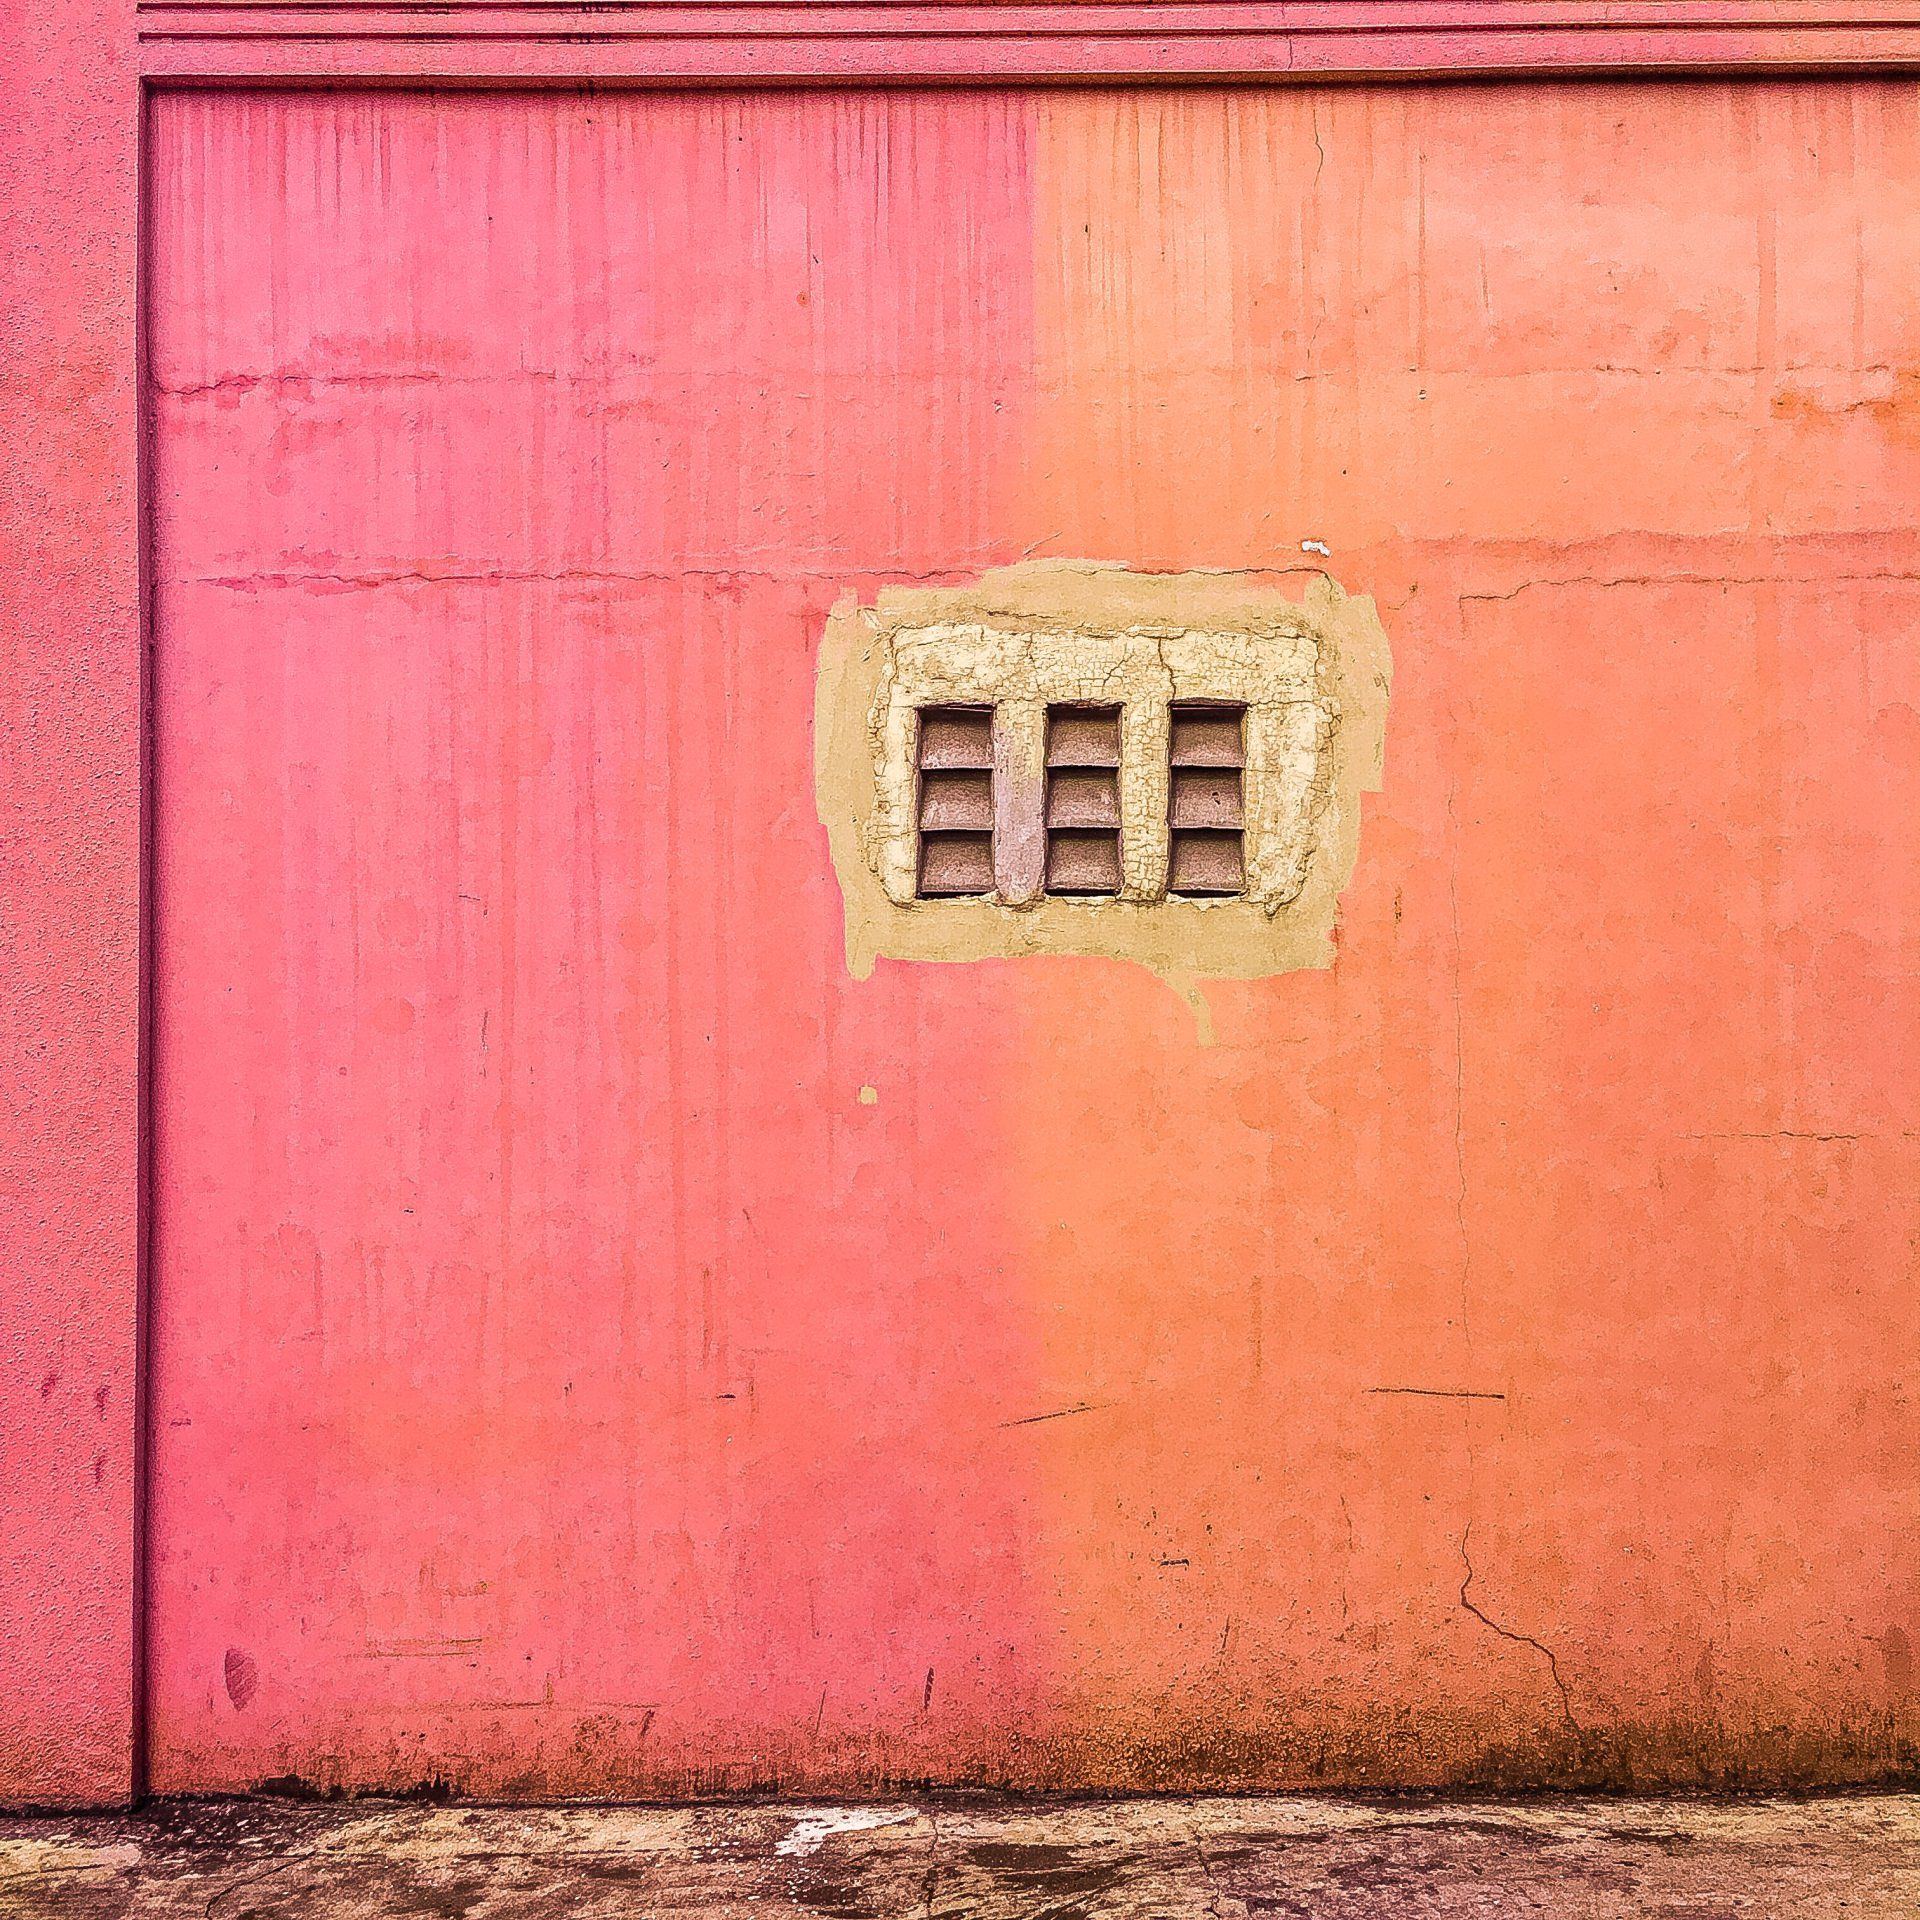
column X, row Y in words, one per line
column 69, row 900
column 1486, row 1363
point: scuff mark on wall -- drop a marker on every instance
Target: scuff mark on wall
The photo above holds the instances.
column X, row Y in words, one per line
column 1315, row 674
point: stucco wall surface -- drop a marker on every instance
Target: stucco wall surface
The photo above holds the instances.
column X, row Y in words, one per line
column 602, row 1346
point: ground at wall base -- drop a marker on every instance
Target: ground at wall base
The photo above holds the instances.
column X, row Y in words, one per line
column 1342, row 1859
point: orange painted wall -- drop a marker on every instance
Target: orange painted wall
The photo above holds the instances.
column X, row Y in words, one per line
column 1488, row 1361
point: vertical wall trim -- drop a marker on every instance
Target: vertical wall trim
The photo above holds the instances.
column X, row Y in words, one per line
column 70, row 807
column 137, row 1772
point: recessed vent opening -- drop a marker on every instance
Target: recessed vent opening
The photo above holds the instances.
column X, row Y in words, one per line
column 1206, row 819
column 955, row 815
column 1083, row 801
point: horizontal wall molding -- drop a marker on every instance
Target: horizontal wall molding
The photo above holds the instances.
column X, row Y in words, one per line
column 734, row 42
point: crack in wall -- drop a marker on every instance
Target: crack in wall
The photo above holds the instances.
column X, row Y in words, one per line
column 1520, row 1639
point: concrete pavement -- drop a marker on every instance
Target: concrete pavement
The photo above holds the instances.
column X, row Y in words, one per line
column 931, row 1858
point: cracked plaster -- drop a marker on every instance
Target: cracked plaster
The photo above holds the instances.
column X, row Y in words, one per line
column 1313, row 673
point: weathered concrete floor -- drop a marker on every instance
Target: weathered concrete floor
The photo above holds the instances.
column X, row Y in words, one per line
column 1332, row 1859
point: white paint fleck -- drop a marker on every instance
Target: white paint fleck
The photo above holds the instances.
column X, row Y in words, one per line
column 810, row 1830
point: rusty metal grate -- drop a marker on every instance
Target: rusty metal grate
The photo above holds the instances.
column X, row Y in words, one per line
column 1083, row 800
column 956, row 801
column 1206, row 819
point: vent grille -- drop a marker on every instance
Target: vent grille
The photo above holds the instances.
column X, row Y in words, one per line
column 956, row 801
column 1206, row 816
column 1083, row 801
column 1063, row 837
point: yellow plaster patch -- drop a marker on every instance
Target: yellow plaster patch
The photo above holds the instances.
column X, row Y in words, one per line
column 1314, row 675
